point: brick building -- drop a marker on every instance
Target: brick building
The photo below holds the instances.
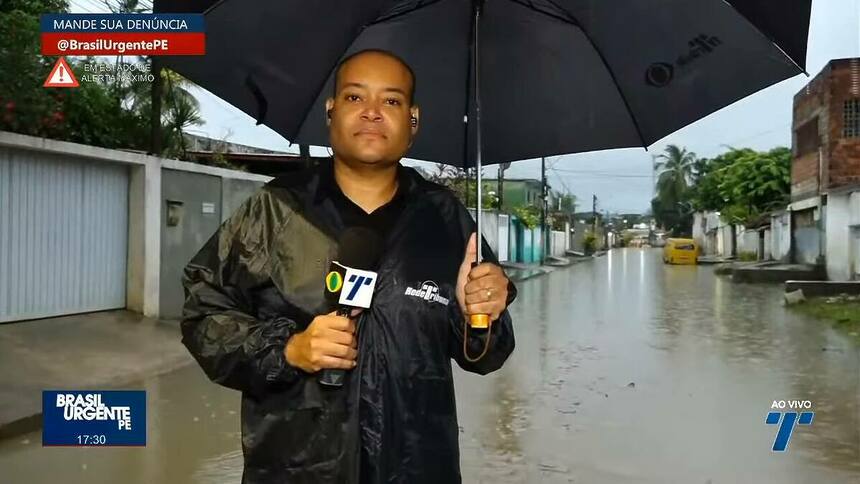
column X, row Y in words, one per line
column 825, row 172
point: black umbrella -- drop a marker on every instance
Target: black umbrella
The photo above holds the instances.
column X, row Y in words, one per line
column 539, row 77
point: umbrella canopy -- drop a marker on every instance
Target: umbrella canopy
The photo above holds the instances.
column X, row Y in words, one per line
column 555, row 76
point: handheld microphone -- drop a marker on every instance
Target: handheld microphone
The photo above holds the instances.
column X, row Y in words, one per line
column 350, row 281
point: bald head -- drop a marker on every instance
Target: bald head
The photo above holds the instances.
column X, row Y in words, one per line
column 372, row 117
column 376, row 53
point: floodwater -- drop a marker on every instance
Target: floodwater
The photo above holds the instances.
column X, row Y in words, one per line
column 626, row 371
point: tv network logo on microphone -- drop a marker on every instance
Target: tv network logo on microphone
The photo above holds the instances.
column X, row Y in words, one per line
column 786, row 421
column 94, row 418
column 358, row 288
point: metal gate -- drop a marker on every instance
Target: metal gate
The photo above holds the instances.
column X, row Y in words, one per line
column 63, row 235
column 196, row 201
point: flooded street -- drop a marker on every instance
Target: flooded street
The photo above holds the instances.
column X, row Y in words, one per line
column 630, row 371
column 625, row 371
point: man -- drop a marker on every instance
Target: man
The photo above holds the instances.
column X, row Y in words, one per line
column 256, row 320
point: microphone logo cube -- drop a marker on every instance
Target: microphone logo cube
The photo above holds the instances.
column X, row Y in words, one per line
column 358, row 288
column 333, row 281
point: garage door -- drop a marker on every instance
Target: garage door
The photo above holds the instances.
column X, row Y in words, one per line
column 63, row 235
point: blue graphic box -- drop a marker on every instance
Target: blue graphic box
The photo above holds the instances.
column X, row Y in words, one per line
column 94, row 418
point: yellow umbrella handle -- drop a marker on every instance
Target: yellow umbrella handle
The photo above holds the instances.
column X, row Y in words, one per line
column 479, row 321
column 466, row 337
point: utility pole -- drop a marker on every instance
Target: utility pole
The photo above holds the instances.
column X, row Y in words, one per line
column 502, row 168
column 544, row 237
column 594, row 214
column 155, row 98
column 155, row 115
column 606, row 232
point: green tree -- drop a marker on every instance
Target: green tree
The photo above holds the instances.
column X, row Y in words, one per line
column 742, row 183
column 528, row 215
column 589, row 242
column 671, row 206
column 558, row 216
column 25, row 106
column 709, row 174
column 755, row 183
column 568, row 202
column 462, row 182
column 458, row 182
column 111, row 116
column 675, row 171
column 125, row 6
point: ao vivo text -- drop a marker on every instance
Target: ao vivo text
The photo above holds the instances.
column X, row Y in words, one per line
column 791, row 404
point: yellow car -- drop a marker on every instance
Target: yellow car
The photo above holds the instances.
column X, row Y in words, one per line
column 680, row 251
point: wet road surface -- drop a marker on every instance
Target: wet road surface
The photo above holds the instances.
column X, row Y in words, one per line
column 625, row 371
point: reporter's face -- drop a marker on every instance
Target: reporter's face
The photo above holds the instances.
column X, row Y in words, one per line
column 370, row 115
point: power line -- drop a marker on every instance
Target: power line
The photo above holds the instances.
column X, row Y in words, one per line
column 100, row 7
column 80, row 7
column 738, row 141
column 566, row 188
column 597, row 174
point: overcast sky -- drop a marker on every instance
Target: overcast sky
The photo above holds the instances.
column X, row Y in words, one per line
column 621, row 179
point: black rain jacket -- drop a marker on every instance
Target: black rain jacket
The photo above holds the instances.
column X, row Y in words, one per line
column 261, row 277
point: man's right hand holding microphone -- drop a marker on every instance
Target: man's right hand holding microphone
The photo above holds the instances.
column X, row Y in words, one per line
column 329, row 342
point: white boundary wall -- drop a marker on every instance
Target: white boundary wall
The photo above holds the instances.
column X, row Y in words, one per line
column 144, row 206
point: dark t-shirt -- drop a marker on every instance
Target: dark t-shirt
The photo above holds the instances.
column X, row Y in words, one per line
column 380, row 220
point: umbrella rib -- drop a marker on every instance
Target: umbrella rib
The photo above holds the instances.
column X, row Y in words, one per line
column 211, row 7
column 570, row 19
column 617, row 87
column 468, row 104
column 530, row 5
column 262, row 102
column 390, row 16
column 768, row 37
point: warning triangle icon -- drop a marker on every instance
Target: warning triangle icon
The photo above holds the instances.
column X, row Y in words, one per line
column 61, row 75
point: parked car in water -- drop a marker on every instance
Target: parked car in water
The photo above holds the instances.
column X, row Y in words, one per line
column 680, row 251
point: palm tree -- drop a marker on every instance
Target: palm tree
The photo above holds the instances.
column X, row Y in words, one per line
column 180, row 111
column 123, row 6
column 183, row 111
column 675, row 168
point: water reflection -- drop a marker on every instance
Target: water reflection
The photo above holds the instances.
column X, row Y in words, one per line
column 193, row 436
column 665, row 375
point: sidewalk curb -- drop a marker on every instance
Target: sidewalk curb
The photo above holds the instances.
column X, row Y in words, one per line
column 540, row 270
column 530, row 276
